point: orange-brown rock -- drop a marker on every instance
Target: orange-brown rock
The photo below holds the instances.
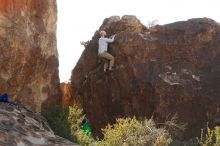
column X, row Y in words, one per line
column 160, row 71
column 28, row 51
column 69, row 97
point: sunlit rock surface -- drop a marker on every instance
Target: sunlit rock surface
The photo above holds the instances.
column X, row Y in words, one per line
column 28, row 51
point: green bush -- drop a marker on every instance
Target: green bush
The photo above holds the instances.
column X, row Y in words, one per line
column 75, row 118
column 131, row 132
column 66, row 122
column 57, row 119
column 83, row 138
column 212, row 138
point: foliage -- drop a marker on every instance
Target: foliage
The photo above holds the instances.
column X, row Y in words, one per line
column 131, row 132
column 172, row 124
column 212, row 138
column 75, row 118
column 83, row 138
column 66, row 122
column 57, row 119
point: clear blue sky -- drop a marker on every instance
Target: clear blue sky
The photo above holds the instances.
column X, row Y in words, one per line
column 79, row 19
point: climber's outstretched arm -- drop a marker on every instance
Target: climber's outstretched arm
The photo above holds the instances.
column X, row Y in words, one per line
column 84, row 43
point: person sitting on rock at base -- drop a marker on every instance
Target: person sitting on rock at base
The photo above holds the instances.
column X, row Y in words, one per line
column 102, row 51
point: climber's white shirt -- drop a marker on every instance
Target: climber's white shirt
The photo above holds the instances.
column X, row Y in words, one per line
column 103, row 44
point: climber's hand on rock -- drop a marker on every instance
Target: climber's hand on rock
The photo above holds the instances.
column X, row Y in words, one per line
column 112, row 36
column 83, row 43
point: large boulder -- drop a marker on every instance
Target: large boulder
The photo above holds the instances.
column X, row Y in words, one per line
column 160, row 71
column 28, row 51
column 22, row 127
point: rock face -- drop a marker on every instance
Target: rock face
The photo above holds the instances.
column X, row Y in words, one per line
column 21, row 127
column 68, row 98
column 158, row 72
column 28, row 51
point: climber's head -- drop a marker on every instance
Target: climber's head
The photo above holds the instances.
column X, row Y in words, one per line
column 102, row 33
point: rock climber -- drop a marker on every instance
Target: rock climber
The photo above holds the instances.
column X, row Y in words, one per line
column 103, row 50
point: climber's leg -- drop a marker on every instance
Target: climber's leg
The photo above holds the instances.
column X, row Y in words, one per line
column 108, row 57
column 105, row 65
column 112, row 61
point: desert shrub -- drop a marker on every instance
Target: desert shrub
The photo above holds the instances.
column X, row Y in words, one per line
column 212, row 138
column 172, row 125
column 131, row 132
column 66, row 122
column 83, row 138
column 75, row 118
column 57, row 119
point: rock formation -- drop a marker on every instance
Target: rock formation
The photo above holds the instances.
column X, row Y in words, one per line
column 28, row 51
column 68, row 98
column 159, row 71
column 21, row 127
